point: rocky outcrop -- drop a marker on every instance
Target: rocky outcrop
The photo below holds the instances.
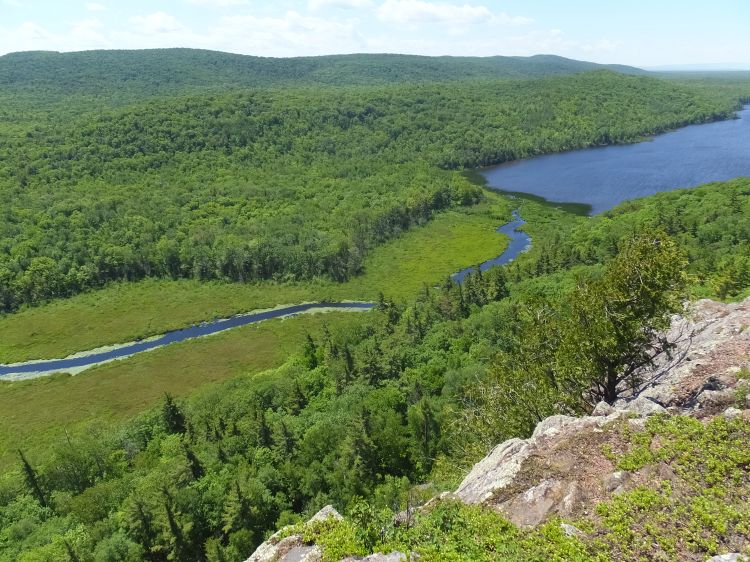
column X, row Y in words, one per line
column 712, row 345
column 530, row 479
column 561, row 470
column 284, row 547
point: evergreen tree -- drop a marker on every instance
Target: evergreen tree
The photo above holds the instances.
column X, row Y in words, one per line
column 174, row 420
column 32, row 480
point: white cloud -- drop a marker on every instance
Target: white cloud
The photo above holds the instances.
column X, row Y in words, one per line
column 414, row 12
column 218, row 3
column 88, row 34
column 506, row 19
column 292, row 34
column 347, row 4
column 29, row 36
column 158, row 23
column 417, row 11
column 95, row 7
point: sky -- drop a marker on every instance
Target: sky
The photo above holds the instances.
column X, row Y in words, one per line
column 637, row 32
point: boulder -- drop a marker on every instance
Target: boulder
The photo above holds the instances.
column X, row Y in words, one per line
column 570, row 530
column 537, row 503
column 731, row 557
column 615, row 482
column 732, row 413
column 641, row 406
column 553, row 425
column 603, row 409
column 303, row 554
column 292, row 548
column 495, row 471
column 499, row 479
column 289, row 549
column 711, row 342
column 327, row 512
column 715, row 398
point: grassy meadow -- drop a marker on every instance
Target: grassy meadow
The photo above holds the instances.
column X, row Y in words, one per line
column 35, row 412
column 127, row 311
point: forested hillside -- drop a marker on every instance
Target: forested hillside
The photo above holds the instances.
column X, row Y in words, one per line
column 127, row 75
column 417, row 394
column 284, row 184
column 161, row 181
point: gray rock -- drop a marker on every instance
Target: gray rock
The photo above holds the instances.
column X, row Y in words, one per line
column 495, row 471
column 709, row 398
column 552, row 425
column 732, row 413
column 643, row 407
column 274, row 549
column 538, row 503
column 731, row 557
column 615, row 481
column 500, row 468
column 603, row 409
column 303, row 554
column 533, row 506
column 325, row 513
column 570, row 530
column 291, row 548
column 710, row 342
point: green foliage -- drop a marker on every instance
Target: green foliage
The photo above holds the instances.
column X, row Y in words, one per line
column 710, row 223
column 123, row 76
column 382, row 405
column 304, row 184
column 586, row 344
column 292, row 184
column 701, row 510
column 174, row 420
column 698, row 511
column 448, row 530
column 611, row 327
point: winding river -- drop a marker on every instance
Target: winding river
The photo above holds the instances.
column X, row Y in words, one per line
column 81, row 361
column 519, row 243
column 590, row 180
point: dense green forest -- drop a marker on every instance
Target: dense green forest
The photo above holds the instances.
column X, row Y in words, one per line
column 365, row 413
column 167, row 165
column 284, row 184
column 125, row 75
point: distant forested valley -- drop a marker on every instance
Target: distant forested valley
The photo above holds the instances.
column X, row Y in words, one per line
column 193, row 171
column 288, row 184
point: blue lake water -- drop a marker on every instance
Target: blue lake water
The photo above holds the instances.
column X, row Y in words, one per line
column 602, row 177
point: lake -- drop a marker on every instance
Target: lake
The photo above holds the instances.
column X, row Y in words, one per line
column 602, row 177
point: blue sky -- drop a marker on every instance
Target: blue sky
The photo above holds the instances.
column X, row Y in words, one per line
column 642, row 33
